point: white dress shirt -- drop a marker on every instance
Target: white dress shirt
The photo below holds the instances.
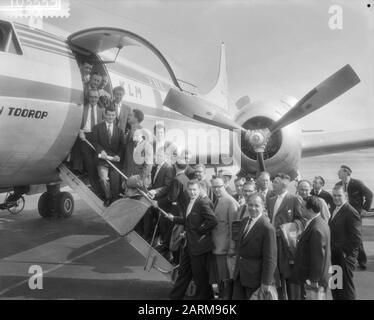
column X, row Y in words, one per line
column 87, row 125
column 190, row 205
column 277, row 204
column 118, row 108
column 109, row 127
column 250, row 226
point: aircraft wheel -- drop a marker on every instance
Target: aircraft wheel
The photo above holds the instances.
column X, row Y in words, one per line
column 64, row 204
column 44, row 205
column 14, row 206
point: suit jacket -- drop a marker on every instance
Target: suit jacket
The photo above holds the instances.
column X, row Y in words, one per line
column 345, row 228
column 360, row 196
column 198, row 226
column 256, row 254
column 190, row 172
column 161, row 183
column 178, row 195
column 99, row 115
column 123, row 115
column 101, row 140
column 313, row 256
column 226, row 211
column 325, row 211
column 289, row 210
column 325, row 196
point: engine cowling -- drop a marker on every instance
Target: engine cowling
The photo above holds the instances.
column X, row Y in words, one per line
column 283, row 150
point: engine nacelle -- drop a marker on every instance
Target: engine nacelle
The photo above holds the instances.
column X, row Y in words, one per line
column 283, row 150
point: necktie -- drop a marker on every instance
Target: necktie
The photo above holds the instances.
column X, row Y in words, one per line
column 92, row 117
column 345, row 186
column 335, row 212
column 246, row 229
column 109, row 132
column 215, row 205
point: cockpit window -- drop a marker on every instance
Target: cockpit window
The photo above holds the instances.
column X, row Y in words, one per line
column 8, row 40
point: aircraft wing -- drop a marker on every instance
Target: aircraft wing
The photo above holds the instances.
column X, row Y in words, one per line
column 334, row 142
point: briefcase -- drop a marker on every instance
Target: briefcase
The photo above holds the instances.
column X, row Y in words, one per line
column 313, row 294
column 259, row 295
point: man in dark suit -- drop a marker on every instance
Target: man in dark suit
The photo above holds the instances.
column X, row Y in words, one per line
column 256, row 258
column 134, row 120
column 161, row 175
column 122, row 110
column 178, row 201
column 360, row 198
column 92, row 115
column 345, row 229
column 284, row 208
column 312, row 258
column 178, row 194
column 108, row 141
column 198, row 221
column 318, row 183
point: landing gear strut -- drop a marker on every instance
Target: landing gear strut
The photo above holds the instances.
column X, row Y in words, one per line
column 55, row 203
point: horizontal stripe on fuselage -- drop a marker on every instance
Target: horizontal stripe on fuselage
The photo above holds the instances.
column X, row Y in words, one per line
column 29, row 89
column 29, row 36
column 23, row 27
column 38, row 46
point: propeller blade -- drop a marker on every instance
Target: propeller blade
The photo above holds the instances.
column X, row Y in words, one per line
column 338, row 83
column 199, row 109
column 261, row 161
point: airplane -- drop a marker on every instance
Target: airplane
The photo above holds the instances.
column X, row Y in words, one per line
column 41, row 107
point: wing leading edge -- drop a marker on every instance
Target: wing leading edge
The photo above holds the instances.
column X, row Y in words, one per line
column 335, row 142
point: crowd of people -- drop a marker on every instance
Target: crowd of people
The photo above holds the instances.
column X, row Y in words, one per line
column 257, row 241
column 264, row 242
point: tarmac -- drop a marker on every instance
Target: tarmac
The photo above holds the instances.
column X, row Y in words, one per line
column 83, row 258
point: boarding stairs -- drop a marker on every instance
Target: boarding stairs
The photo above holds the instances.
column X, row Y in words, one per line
column 120, row 223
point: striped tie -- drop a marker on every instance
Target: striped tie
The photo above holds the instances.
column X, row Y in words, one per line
column 246, row 229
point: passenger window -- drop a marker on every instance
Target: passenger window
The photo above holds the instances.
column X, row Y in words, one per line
column 8, row 40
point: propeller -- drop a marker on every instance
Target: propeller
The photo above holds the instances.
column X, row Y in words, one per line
column 328, row 90
column 200, row 109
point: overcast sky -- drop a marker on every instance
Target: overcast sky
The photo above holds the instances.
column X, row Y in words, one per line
column 274, row 48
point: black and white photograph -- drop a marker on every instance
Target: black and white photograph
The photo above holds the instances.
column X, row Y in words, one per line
column 208, row 151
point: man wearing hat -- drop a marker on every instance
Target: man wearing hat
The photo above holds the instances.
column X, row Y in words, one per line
column 226, row 175
column 318, row 184
column 359, row 197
